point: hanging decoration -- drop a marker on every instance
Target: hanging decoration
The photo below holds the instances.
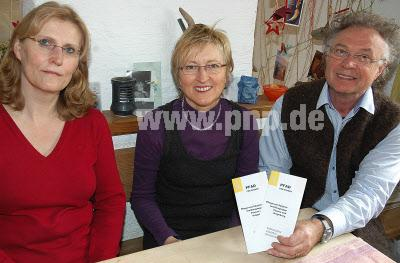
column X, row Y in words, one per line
column 283, row 48
column 3, row 48
column 320, row 33
column 294, row 17
column 316, row 70
column 339, row 10
column 302, row 41
column 4, row 44
column 280, row 66
column 15, row 23
column 277, row 20
column 9, row 16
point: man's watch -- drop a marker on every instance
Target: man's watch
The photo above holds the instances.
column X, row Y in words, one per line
column 327, row 225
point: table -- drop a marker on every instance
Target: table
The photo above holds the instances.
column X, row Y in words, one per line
column 229, row 246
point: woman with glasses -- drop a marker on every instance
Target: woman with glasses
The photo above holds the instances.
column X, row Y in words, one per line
column 188, row 150
column 61, row 198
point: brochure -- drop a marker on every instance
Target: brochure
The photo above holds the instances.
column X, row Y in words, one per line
column 267, row 207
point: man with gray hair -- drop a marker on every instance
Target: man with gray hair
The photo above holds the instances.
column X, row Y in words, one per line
column 352, row 162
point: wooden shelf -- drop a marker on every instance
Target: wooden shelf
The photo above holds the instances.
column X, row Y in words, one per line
column 261, row 108
column 123, row 125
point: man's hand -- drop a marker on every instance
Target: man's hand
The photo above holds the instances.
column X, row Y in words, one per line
column 170, row 240
column 306, row 235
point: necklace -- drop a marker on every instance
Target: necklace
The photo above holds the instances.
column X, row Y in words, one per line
column 185, row 113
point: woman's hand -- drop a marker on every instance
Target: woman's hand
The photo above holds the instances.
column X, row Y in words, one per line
column 170, row 240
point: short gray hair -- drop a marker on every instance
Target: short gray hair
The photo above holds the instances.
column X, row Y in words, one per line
column 387, row 29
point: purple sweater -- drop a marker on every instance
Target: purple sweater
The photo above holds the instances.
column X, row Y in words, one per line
column 203, row 145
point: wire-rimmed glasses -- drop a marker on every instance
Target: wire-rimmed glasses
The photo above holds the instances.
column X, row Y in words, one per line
column 360, row 58
column 48, row 45
column 213, row 68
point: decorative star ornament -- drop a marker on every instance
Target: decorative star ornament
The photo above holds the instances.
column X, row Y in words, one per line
column 277, row 19
column 274, row 26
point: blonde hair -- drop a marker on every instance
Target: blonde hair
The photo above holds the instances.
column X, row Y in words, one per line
column 198, row 36
column 76, row 98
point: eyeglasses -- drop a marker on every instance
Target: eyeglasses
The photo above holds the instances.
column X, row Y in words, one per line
column 212, row 68
column 48, row 46
column 359, row 58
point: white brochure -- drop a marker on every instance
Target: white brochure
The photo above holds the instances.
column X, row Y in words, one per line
column 267, row 207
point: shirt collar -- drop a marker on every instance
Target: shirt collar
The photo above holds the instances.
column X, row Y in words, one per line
column 324, row 97
column 366, row 101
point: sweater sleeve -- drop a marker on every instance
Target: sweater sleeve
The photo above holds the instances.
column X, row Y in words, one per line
column 148, row 151
column 4, row 258
column 249, row 155
column 108, row 200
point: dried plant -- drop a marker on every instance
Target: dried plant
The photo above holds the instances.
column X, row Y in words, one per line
column 3, row 48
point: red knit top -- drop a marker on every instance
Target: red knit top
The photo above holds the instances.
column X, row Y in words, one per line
column 66, row 207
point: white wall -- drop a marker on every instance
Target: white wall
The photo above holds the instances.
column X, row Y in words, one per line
column 128, row 31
